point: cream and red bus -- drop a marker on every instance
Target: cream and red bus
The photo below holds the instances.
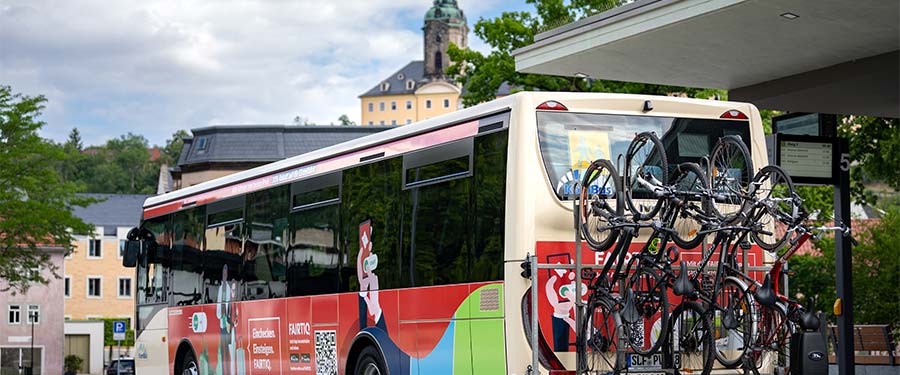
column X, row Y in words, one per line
column 399, row 252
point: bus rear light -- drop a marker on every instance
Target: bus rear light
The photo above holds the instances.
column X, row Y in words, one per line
column 552, row 105
column 734, row 114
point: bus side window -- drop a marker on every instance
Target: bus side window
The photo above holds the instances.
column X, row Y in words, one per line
column 187, row 241
column 264, row 269
column 372, row 192
column 151, row 277
column 436, row 210
column 221, row 260
column 313, row 258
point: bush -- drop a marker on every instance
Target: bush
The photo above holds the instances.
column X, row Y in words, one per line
column 73, row 363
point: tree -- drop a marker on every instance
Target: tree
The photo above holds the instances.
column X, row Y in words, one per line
column 345, row 120
column 74, row 141
column 122, row 166
column 35, row 201
column 173, row 147
column 482, row 75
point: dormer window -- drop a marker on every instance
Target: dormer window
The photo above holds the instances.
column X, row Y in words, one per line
column 385, row 86
column 201, row 143
column 410, row 84
column 400, row 77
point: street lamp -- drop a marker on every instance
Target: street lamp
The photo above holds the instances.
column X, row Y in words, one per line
column 32, row 318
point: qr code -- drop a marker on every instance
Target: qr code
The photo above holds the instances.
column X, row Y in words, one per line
column 635, row 332
column 326, row 353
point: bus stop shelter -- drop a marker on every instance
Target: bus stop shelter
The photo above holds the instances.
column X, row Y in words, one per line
column 827, row 56
column 831, row 56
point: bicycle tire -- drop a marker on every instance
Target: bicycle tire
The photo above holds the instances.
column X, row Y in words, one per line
column 730, row 173
column 646, row 298
column 772, row 337
column 601, row 333
column 645, row 144
column 777, row 205
column 688, row 229
column 733, row 296
column 597, row 195
column 692, row 337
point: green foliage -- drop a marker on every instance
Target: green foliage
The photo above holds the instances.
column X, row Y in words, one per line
column 483, row 74
column 173, row 146
column 345, row 120
column 876, row 272
column 108, row 332
column 875, row 149
column 73, row 363
column 36, row 202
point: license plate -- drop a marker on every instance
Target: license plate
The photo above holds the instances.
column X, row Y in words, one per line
column 653, row 362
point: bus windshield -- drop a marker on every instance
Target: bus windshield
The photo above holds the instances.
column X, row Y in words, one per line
column 571, row 141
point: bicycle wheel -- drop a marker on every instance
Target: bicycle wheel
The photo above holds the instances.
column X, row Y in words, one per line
column 692, row 339
column 770, row 351
column 774, row 193
column 646, row 173
column 691, row 188
column 730, row 173
column 732, row 323
column 604, row 349
column 601, row 201
column 645, row 310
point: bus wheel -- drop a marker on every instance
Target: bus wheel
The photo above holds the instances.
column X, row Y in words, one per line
column 369, row 362
column 189, row 364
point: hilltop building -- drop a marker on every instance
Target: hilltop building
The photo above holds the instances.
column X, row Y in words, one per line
column 421, row 90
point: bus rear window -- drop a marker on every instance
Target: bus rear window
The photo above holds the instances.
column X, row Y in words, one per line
column 570, row 141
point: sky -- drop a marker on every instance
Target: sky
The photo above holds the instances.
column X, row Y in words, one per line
column 152, row 67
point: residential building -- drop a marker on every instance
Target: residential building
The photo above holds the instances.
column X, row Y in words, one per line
column 96, row 285
column 217, row 151
column 33, row 323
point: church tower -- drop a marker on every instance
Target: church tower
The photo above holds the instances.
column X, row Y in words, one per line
column 445, row 23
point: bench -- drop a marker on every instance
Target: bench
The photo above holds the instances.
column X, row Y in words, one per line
column 872, row 345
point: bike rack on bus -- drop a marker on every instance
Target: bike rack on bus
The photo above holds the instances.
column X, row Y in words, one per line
column 535, row 267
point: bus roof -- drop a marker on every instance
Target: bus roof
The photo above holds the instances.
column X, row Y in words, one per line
column 402, row 132
column 349, row 146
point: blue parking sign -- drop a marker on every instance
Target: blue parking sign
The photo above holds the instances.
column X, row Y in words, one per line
column 119, row 330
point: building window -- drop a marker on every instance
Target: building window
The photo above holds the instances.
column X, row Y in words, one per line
column 381, row 106
column 93, row 287
column 34, row 314
column 409, row 104
column 124, row 287
column 201, row 143
column 393, row 106
column 428, row 103
column 67, row 289
column 14, row 315
column 94, row 249
column 408, row 121
column 393, row 122
column 385, row 86
column 400, row 76
column 382, row 122
column 371, row 107
column 438, row 63
column 121, row 248
column 446, row 103
column 410, row 84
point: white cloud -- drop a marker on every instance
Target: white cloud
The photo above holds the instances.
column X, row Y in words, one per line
column 152, row 67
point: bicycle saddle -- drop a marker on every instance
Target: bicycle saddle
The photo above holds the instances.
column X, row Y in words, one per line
column 809, row 321
column 630, row 313
column 765, row 295
column 683, row 285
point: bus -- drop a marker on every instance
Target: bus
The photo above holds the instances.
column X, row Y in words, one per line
column 400, row 252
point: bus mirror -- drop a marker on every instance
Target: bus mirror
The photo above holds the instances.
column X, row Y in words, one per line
column 132, row 251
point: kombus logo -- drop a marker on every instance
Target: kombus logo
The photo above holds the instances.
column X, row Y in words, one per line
column 198, row 322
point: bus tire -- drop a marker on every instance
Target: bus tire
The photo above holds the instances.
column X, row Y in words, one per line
column 369, row 362
column 188, row 365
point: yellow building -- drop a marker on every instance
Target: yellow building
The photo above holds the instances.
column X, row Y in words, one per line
column 421, row 90
column 95, row 283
